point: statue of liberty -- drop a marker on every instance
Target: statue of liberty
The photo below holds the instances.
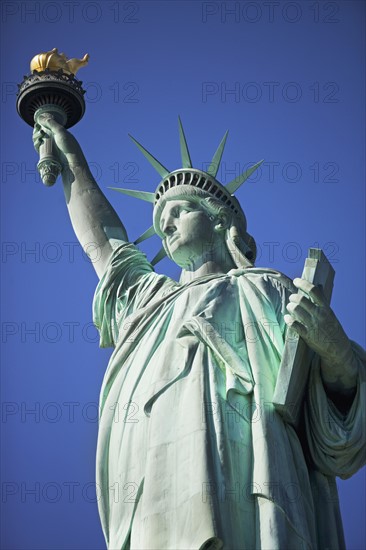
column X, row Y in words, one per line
column 191, row 451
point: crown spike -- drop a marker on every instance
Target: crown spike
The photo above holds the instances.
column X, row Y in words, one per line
column 234, row 184
column 186, row 158
column 159, row 256
column 146, row 235
column 153, row 161
column 142, row 195
column 215, row 163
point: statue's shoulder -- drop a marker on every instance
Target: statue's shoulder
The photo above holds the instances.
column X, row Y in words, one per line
column 264, row 276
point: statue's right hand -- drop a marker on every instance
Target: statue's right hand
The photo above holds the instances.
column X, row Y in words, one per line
column 39, row 135
column 47, row 127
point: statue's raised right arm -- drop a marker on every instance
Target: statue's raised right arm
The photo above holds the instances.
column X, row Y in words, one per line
column 95, row 222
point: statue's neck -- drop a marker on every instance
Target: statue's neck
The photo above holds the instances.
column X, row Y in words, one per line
column 219, row 263
column 216, row 260
column 209, row 268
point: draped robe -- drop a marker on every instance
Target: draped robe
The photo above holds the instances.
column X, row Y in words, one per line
column 191, row 453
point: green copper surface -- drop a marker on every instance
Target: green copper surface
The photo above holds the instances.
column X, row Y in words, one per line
column 234, row 185
column 191, row 451
column 153, row 161
column 142, row 195
column 186, row 158
column 159, row 256
column 146, row 235
column 215, row 163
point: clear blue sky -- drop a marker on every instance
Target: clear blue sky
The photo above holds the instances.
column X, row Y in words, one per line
column 287, row 80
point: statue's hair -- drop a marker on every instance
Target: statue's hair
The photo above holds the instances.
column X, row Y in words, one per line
column 238, row 240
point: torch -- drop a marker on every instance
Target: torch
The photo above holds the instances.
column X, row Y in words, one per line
column 51, row 89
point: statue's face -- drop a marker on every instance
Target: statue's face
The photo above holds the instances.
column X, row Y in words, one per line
column 189, row 231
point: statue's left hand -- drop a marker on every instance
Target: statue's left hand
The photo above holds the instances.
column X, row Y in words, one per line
column 314, row 320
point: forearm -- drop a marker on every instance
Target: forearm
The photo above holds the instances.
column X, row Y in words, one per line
column 94, row 220
column 339, row 376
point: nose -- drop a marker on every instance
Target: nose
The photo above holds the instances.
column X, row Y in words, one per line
column 168, row 225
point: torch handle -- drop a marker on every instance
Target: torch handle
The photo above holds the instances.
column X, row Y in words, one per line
column 49, row 165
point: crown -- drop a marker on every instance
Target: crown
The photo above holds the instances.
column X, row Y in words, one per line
column 187, row 177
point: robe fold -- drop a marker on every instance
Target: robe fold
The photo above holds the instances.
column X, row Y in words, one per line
column 191, row 452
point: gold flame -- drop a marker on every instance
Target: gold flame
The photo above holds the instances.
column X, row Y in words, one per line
column 54, row 61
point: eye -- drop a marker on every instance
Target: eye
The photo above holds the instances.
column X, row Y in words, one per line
column 184, row 209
